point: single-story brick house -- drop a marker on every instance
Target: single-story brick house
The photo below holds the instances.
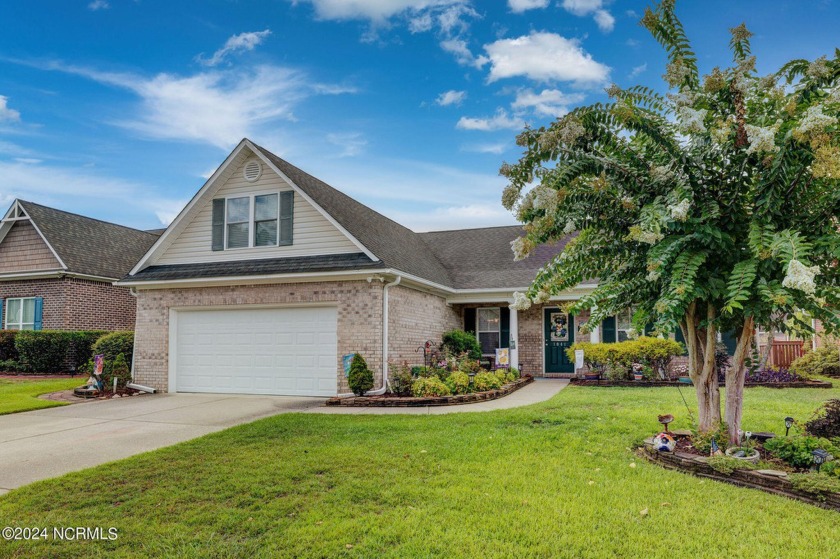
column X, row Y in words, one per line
column 269, row 277
column 57, row 270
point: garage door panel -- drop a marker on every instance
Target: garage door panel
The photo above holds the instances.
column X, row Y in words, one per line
column 289, row 351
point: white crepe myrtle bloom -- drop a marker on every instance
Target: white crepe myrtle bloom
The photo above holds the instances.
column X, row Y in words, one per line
column 762, row 139
column 520, row 302
column 819, row 68
column 570, row 227
column 654, row 275
column 682, row 99
column 545, row 198
column 510, row 195
column 542, row 297
column 801, row 277
column 691, row 120
column 815, row 121
column 679, row 212
column 570, row 130
column 521, row 247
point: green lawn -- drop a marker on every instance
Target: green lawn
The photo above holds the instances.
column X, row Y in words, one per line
column 22, row 395
column 551, row 480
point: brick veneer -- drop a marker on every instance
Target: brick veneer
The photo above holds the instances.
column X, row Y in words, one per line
column 413, row 318
column 76, row 304
column 359, row 306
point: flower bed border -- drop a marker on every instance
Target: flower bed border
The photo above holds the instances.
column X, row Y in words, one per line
column 407, row 402
column 696, row 465
column 663, row 383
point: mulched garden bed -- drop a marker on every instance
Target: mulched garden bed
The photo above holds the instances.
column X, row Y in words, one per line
column 658, row 383
column 771, row 481
column 407, row 402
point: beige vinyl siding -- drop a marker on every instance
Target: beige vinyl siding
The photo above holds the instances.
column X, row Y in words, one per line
column 23, row 250
column 313, row 234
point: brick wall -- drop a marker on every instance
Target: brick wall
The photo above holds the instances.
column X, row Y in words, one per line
column 359, row 306
column 74, row 304
column 413, row 318
column 23, row 250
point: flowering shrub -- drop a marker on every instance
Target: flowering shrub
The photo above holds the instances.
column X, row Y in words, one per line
column 773, row 375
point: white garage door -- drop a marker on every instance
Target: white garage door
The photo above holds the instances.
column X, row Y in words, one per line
column 290, row 351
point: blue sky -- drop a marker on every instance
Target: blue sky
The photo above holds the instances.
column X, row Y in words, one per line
column 119, row 109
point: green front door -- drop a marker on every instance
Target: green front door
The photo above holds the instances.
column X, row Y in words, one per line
column 559, row 335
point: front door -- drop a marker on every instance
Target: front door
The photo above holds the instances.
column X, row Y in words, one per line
column 559, row 335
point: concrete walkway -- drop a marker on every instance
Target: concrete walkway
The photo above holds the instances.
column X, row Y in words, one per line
column 46, row 443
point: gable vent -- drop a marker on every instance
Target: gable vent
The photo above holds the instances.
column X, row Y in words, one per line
column 252, row 170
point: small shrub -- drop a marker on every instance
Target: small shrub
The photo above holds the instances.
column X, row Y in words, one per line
column 772, row 375
column 459, row 341
column 467, row 364
column 441, row 372
column 515, row 372
column 43, row 351
column 118, row 370
column 501, row 374
column 10, row 366
column 819, row 484
column 727, row 464
column 824, row 361
column 826, row 421
column 8, row 351
column 431, row 386
column 360, row 378
column 703, row 441
column 796, row 450
column 615, row 360
column 458, row 382
column 401, row 380
column 112, row 344
column 485, row 380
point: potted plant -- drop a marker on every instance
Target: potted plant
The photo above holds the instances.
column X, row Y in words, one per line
column 745, row 453
column 638, row 372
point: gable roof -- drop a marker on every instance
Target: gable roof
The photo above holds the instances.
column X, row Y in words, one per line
column 89, row 246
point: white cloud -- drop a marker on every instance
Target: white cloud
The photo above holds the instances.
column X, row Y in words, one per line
column 451, row 97
column 351, row 143
column 637, row 70
column 544, row 57
column 500, row 121
column 218, row 107
column 605, row 20
column 548, row 102
column 462, row 53
column 375, row 11
column 495, row 149
column 519, row 6
column 237, row 43
column 28, row 160
column 7, row 114
column 473, row 215
column 99, row 5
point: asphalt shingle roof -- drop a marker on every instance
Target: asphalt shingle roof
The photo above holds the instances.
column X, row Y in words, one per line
column 90, row 246
column 270, row 266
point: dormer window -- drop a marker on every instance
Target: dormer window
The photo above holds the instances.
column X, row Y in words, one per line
column 258, row 220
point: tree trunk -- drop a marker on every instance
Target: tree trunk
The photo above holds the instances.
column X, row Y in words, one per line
column 735, row 377
column 701, row 366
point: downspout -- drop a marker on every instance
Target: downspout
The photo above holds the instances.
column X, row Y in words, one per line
column 140, row 387
column 384, row 338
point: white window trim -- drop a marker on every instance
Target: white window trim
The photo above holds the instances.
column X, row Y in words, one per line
column 20, row 324
column 252, row 225
column 629, row 313
column 478, row 331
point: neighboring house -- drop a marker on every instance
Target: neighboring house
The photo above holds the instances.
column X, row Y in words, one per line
column 57, row 270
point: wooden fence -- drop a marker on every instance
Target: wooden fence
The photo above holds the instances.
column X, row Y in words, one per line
column 783, row 353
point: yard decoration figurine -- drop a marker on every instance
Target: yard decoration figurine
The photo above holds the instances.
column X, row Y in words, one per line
column 709, row 210
column 665, row 420
column 664, row 442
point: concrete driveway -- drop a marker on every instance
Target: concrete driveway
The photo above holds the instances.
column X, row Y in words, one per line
column 42, row 444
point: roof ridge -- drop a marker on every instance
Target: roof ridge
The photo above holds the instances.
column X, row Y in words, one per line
column 517, row 226
column 111, row 223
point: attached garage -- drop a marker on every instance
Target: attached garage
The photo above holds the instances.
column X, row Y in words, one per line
column 278, row 351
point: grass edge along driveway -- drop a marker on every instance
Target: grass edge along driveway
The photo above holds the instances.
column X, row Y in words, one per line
column 22, row 395
column 557, row 479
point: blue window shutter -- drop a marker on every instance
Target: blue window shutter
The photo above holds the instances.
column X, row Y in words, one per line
column 218, row 233
column 287, row 213
column 39, row 312
column 608, row 333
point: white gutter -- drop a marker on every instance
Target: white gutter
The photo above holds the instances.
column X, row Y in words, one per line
column 133, row 293
column 385, row 338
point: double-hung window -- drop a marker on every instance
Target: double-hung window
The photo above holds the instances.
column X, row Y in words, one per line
column 488, row 328
column 258, row 220
column 20, row 314
column 624, row 325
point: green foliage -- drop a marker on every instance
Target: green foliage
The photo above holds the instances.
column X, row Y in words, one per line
column 796, row 450
column 119, row 370
column 824, row 361
column 11, row 366
column 430, row 386
column 459, row 341
column 8, row 351
column 703, row 441
column 728, row 464
column 54, row 351
column 515, row 372
column 401, row 380
column 458, row 382
column 485, row 381
column 819, row 484
column 112, row 344
column 826, row 421
column 614, row 360
column 360, row 378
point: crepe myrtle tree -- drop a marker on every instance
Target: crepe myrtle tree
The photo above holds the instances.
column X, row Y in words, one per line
column 713, row 208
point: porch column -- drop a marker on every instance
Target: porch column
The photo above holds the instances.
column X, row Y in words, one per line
column 514, row 338
column 595, row 334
